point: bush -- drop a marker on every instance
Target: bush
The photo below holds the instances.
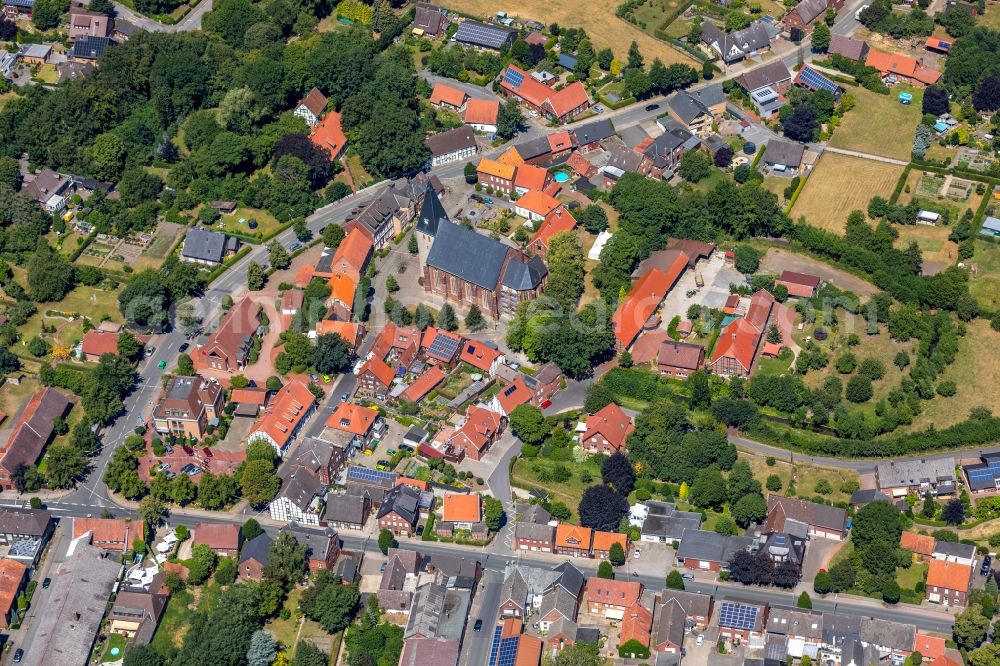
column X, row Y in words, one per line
column 633, row 649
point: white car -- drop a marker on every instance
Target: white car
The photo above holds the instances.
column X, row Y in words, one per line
column 700, row 640
column 357, row 366
column 637, row 553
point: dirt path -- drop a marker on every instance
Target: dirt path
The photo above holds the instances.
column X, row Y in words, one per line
column 777, row 260
column 867, row 156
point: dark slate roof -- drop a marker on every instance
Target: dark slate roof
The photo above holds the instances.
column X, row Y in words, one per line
column 301, row 488
column 534, row 148
column 204, row 245
column 405, row 501
column 709, row 546
column 90, row 48
column 687, row 107
column 772, row 73
column 318, row 544
column 432, row 213
column 954, row 549
column 596, row 131
column 344, row 508
column 256, row 549
column 524, row 276
column 467, row 255
column 783, row 152
column 693, row 603
column 451, row 141
column 570, row 578
column 841, row 627
column 736, row 44
column 862, row 497
column 566, row 60
column 31, row 522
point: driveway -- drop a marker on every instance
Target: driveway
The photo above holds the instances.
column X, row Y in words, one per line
column 777, row 260
column 819, row 552
column 717, row 277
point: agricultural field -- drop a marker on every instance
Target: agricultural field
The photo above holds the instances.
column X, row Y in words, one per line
column 976, row 373
column 985, row 283
column 598, row 18
column 167, row 236
column 879, row 124
column 841, row 183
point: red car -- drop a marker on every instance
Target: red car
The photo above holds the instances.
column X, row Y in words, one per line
column 188, row 450
column 207, row 451
column 545, row 404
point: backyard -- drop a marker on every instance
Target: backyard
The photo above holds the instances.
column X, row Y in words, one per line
column 598, row 18
column 880, row 124
column 840, row 184
column 943, row 194
column 524, row 475
column 266, row 223
column 93, row 302
column 167, row 234
column 13, row 396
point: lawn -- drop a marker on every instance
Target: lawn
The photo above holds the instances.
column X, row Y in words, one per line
column 90, row 301
column 976, row 372
column 990, row 19
column 359, row 175
column 284, row 631
column 266, row 223
column 154, row 255
column 598, row 18
column 879, row 124
column 908, row 578
column 569, row 492
column 985, row 284
column 933, row 242
column 174, row 624
column 13, row 396
column 926, row 188
column 6, row 97
column 840, row 184
column 48, row 74
column 114, row 641
column 806, row 476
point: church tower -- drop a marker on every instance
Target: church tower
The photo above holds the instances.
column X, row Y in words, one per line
column 431, row 216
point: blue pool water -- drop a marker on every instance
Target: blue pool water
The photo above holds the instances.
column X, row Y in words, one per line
column 561, row 177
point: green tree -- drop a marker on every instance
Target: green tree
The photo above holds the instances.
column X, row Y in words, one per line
column 471, row 174
column 773, row 483
column 701, row 390
column 474, row 320
column 333, row 235
column 566, row 270
column 255, row 276
column 746, row 259
column 329, row 603
column 251, row 529
column 263, row 649
column 107, row 153
column 821, row 583
column 593, row 218
column 493, row 513
column 151, row 511
column 278, row 255
column 821, row 38
column 258, row 482
column 447, row 319
column 286, row 560
column 750, row 509
column 386, row 540
column 307, row 654
column 930, row 506
column 674, row 580
column 510, row 120
column 142, row 655
column 970, row 627
column 185, row 366
column 66, row 464
column 635, row 60
column 695, row 165
column 605, row 570
column 528, row 424
column 201, row 564
column 709, row 489
column 616, row 554
column 226, row 571
column 805, row 601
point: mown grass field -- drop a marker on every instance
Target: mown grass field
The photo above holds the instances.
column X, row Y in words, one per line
column 985, row 285
column 569, row 492
column 840, row 184
column 598, row 18
column 879, row 124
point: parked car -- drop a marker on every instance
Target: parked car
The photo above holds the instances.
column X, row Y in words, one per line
column 652, row 107
column 294, row 246
column 687, row 576
column 183, row 348
column 188, row 450
column 700, row 640
column 18, row 655
column 985, row 570
column 46, row 583
column 314, row 378
column 390, row 452
column 344, row 397
column 163, row 467
column 420, row 530
column 382, row 568
column 406, row 447
column 637, row 553
column 207, row 451
column 478, row 626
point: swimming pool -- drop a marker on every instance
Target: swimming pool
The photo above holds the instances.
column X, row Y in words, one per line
column 561, row 177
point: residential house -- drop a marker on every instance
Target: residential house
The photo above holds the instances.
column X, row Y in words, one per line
column 783, row 156
column 478, row 432
column 529, row 177
column 849, row 47
column 663, row 154
column 636, row 626
column 639, row 308
column 581, row 165
column 347, row 510
column 291, row 302
column 801, row 630
column 481, row 356
column 389, row 212
column 698, row 110
column 284, row 416
column 535, row 205
column 462, row 511
column 311, row 107
column 440, row 347
column 897, row 67
column 34, row 54
column 551, row 594
column 15, row 9
column 948, row 583
column 467, row 268
column 800, row 285
column 48, row 188
column 558, row 221
column 773, row 74
column 510, row 397
column 124, row 31
column 899, row 478
column 611, row 598
column 959, row 553
column 31, row 432
column 679, row 359
column 589, row 137
column 301, row 498
column 322, row 548
column 536, row 151
column 600, row 545
column 737, row 345
column 556, row 105
column 743, row 621
column 440, row 609
column 663, row 523
column 13, row 575
column 399, row 580
column 444, row 96
column 807, row 11
column 188, row 407
column 320, row 458
column 113, row 534
column 98, row 342
column 534, row 536
column 429, row 18
column 372, row 481
column 607, row 431
column 375, row 378
column 669, row 626
column 422, row 385
column 352, row 333
column 208, row 248
column 452, row 146
column 341, row 298
column 546, row 381
column 573, row 540
column 85, row 23
column 136, row 613
column 782, row 547
column 360, row 425
column 328, row 134
column 893, row 640
column 400, row 510
column 564, row 633
column 983, row 477
column 521, row 649
column 249, row 401
column 496, row 174
column 812, row 80
column 736, row 45
column 223, row 538
column 419, row 651
column 483, row 36
column 254, row 557
column 821, row 520
column 708, row 551
column 25, row 532
column 482, row 114
column 697, row 607
column 228, row 347
column 88, row 48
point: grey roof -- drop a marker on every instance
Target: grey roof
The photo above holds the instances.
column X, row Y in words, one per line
column 34, row 50
column 840, row 627
column 563, row 626
column 785, row 547
column 737, row 44
column 125, row 28
column 467, row 255
column 534, row 148
column 709, row 546
column 318, row 544
column 560, row 600
column 991, row 223
column 535, row 531
column 451, row 141
column 855, row 49
column 783, row 152
column 914, row 472
column 770, row 74
column 301, row 488
column 389, row 202
column 428, row 17
column 665, row 144
column 345, row 508
column 694, row 604
column 668, row 523
column 404, row 500
column 453, row 566
column 514, row 588
column 204, row 245
column 90, row 47
column 631, row 137
column 566, row 60
column 710, row 95
column 888, row 634
column 775, row 648
column 862, row 497
column 30, row 522
column 438, row 611
column 808, row 10
column 625, row 158
column 524, row 276
column 669, row 622
column 533, row 513
column 81, row 587
column 570, row 578
column 432, row 213
column 668, row 659
column 795, row 622
column 593, row 132
column 687, row 107
column 480, row 34
column 257, row 549
column 955, row 549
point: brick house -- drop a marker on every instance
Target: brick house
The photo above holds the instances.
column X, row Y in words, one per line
column 97, row 342
column 481, row 356
column 284, row 416
column 85, row 23
column 399, row 580
column 921, row 545
column 800, row 285
column 462, row 510
column 697, row 607
column 31, row 432
column 322, row 548
column 821, row 520
column 708, row 551
column 187, row 407
column 948, row 583
column 743, row 621
column 738, row 343
column 106, row 533
column 556, row 105
column 13, row 575
column 538, row 537
column 607, row 431
column 573, row 540
column 444, row 96
column 400, row 510
column 601, row 544
column 611, row 598
column 254, row 557
column 496, row 174
column 375, row 378
column 228, row 347
column 679, row 359
column 558, row 221
column 223, row 538
column 360, row 424
column 481, row 429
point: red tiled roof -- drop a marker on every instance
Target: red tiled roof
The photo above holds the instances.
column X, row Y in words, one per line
column 291, row 299
column 342, row 289
column 104, row 532
column 558, row 102
column 383, row 373
column 612, row 423
column 581, row 165
column 537, row 202
column 555, row 222
column 287, row 409
column 445, row 94
column 530, row 177
column 12, row 575
column 479, row 355
column 760, row 309
column 480, row 426
column 511, row 157
column 217, row 536
column 97, row 342
column 894, row 63
column 646, row 347
column 495, row 168
column 462, row 508
column 345, row 329
column 921, row 544
column 804, row 279
column 930, row 647
column 416, row 483
column 644, row 299
column 949, row 575
column 423, row 384
column 573, row 536
column 329, row 135
column 352, row 418
column 352, row 254
column 33, row 428
column 251, row 396
column 228, row 341
column 431, row 334
column 637, row 624
column 481, row 111
column 623, row 593
column 603, row 540
column 560, row 141
column 514, row 395
column 738, row 340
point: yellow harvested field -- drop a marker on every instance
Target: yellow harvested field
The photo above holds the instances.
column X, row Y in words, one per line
column 840, row 184
column 597, row 17
column 932, row 241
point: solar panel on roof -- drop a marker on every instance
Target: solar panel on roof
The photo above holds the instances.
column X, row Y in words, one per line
column 816, row 81
column 508, row 651
column 483, row 35
column 369, row 475
column 443, row 346
column 513, row 77
column 738, row 616
column 495, row 646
